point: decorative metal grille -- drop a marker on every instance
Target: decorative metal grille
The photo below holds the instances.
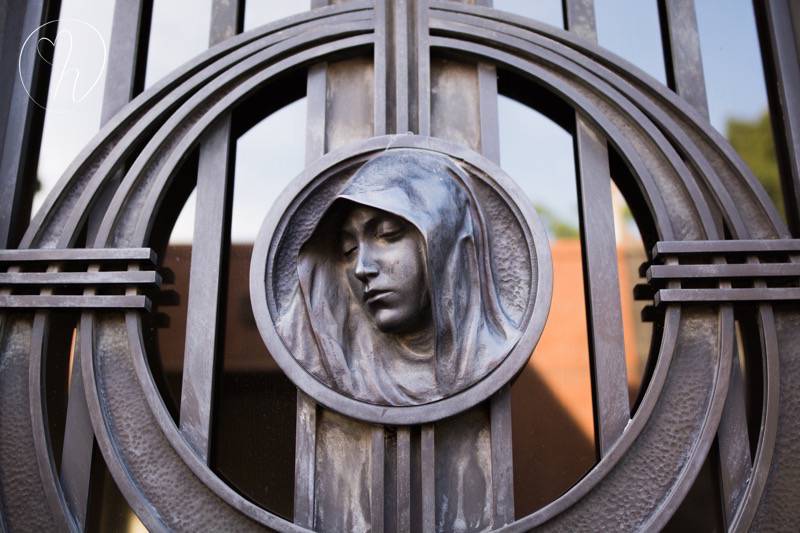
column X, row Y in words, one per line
column 716, row 243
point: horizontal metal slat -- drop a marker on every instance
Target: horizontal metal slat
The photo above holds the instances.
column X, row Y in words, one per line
column 726, row 295
column 139, row 277
column 755, row 246
column 74, row 302
column 40, row 255
column 750, row 270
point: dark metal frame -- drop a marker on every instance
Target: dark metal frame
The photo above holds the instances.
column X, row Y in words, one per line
column 681, row 175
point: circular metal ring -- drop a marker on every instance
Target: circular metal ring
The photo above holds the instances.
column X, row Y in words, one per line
column 533, row 320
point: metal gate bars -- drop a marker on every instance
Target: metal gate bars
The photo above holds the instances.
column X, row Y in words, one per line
column 716, row 241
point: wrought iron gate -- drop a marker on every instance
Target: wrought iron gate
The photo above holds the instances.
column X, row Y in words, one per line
column 407, row 76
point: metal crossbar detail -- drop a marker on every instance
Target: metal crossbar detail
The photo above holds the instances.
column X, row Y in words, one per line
column 723, row 271
column 81, row 255
column 75, row 302
column 134, row 277
column 95, row 259
column 726, row 295
column 663, row 248
column 715, row 252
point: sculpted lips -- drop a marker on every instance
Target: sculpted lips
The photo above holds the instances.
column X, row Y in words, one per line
column 375, row 295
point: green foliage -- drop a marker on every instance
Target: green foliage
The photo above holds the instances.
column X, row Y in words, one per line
column 752, row 139
column 556, row 226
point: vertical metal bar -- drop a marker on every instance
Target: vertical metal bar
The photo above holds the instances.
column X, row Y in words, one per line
column 778, row 34
column 402, row 67
column 606, row 340
column 734, row 444
column 129, row 28
column 422, row 68
column 685, row 75
column 502, row 457
column 399, row 116
column 612, row 410
column 682, row 57
column 403, row 480
column 130, row 25
column 202, row 328
column 127, row 59
column 500, row 403
column 490, row 128
column 315, row 111
column 214, row 182
column 377, row 470
column 428, row 478
column 76, row 462
column 304, row 464
column 383, row 64
column 22, row 132
column 306, row 417
column 579, row 18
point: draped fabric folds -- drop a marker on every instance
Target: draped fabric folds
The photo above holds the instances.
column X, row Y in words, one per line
column 333, row 336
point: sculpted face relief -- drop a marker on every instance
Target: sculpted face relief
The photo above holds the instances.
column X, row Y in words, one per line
column 395, row 301
column 385, row 265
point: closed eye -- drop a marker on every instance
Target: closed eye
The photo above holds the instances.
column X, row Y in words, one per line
column 392, row 234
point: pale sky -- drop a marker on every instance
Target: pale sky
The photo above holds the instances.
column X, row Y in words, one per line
column 534, row 151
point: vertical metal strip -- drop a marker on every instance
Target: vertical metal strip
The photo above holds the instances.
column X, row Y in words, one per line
column 304, row 464
column 402, row 67
column 76, row 462
column 579, row 18
column 377, row 481
column 24, row 90
column 211, row 235
column 382, row 62
column 734, row 445
column 130, row 25
column 129, row 28
column 778, row 28
column 500, row 403
column 502, row 457
column 428, row 478
column 403, row 490
column 315, row 111
column 606, row 339
column 214, row 176
column 682, row 57
column 490, row 128
column 422, row 68
column 127, row 61
column 22, row 132
column 401, row 44
column 306, row 416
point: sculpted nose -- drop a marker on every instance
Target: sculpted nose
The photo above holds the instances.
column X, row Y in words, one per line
column 365, row 266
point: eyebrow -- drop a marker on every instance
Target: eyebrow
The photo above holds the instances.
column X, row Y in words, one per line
column 348, row 227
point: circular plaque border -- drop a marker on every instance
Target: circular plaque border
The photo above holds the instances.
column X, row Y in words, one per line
column 533, row 319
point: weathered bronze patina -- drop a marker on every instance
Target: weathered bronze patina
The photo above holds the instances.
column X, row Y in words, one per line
column 389, row 285
column 396, row 302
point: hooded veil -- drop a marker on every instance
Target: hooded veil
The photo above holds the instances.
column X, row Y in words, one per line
column 326, row 327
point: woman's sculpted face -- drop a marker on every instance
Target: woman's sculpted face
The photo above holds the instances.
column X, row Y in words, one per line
column 386, row 268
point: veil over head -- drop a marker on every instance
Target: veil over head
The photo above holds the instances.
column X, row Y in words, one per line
column 326, row 326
